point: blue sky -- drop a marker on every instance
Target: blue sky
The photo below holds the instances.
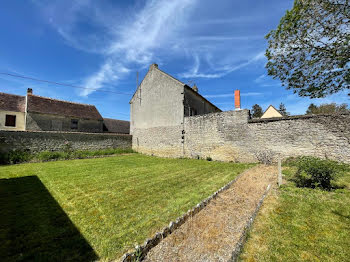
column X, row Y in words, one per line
column 219, row 45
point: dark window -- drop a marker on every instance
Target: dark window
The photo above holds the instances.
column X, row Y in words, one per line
column 74, row 124
column 193, row 112
column 10, row 120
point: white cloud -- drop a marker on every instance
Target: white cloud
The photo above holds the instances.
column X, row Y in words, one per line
column 159, row 30
column 137, row 40
column 222, row 71
column 109, row 72
column 261, row 78
column 228, row 20
column 128, row 40
column 227, row 38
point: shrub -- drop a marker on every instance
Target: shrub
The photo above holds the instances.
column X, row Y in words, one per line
column 67, row 148
column 70, row 154
column 15, row 157
column 19, row 156
column 291, row 161
column 209, row 158
column 46, row 156
column 316, row 173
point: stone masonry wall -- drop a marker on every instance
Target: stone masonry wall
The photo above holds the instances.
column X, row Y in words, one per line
column 55, row 141
column 231, row 136
column 159, row 141
column 45, row 122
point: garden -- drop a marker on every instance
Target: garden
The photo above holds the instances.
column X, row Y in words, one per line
column 89, row 209
column 308, row 218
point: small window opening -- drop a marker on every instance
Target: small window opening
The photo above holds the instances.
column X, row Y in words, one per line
column 10, row 120
column 74, row 124
column 193, row 112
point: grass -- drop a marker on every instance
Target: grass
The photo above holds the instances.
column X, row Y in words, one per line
column 98, row 208
column 302, row 224
column 20, row 156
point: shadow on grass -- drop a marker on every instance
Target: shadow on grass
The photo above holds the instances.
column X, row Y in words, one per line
column 33, row 227
column 341, row 215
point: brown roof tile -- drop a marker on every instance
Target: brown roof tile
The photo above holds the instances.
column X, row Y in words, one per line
column 9, row 102
column 44, row 105
column 117, row 126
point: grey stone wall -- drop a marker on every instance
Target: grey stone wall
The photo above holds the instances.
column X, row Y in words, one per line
column 218, row 135
column 44, row 122
column 159, row 141
column 55, row 141
column 231, row 136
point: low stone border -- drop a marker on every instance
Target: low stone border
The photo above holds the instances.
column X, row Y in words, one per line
column 238, row 248
column 141, row 251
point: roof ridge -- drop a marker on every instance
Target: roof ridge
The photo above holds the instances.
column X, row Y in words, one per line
column 165, row 73
column 115, row 119
column 170, row 76
column 12, row 94
column 60, row 100
column 186, row 85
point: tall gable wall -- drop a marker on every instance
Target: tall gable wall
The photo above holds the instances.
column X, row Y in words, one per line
column 157, row 102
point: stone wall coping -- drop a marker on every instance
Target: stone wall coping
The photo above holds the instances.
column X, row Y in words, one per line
column 259, row 120
column 216, row 113
column 273, row 119
column 62, row 132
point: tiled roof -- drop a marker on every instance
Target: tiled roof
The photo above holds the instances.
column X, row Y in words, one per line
column 10, row 102
column 117, row 126
column 44, row 105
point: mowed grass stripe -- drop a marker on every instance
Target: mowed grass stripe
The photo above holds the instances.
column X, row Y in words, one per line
column 302, row 224
column 116, row 202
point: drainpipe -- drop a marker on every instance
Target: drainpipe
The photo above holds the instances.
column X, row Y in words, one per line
column 183, row 123
column 29, row 91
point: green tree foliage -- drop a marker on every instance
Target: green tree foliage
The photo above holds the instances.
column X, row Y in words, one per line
column 256, row 111
column 283, row 110
column 332, row 108
column 310, row 49
column 311, row 109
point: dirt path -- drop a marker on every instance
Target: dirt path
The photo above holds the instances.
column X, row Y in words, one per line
column 211, row 235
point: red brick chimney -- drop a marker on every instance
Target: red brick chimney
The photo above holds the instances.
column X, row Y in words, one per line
column 237, row 99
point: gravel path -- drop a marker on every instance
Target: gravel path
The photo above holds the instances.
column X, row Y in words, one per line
column 211, row 235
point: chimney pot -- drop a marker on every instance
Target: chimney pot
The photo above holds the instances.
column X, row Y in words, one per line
column 29, row 91
column 195, row 88
column 153, row 65
column 237, row 99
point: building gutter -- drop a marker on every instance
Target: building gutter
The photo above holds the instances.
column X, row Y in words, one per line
column 25, row 113
column 183, row 122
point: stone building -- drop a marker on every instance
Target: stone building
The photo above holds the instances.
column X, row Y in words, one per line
column 47, row 114
column 12, row 112
column 162, row 100
column 37, row 113
column 116, row 126
column 171, row 119
column 271, row 112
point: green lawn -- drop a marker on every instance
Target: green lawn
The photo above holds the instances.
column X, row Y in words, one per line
column 300, row 224
column 98, row 208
